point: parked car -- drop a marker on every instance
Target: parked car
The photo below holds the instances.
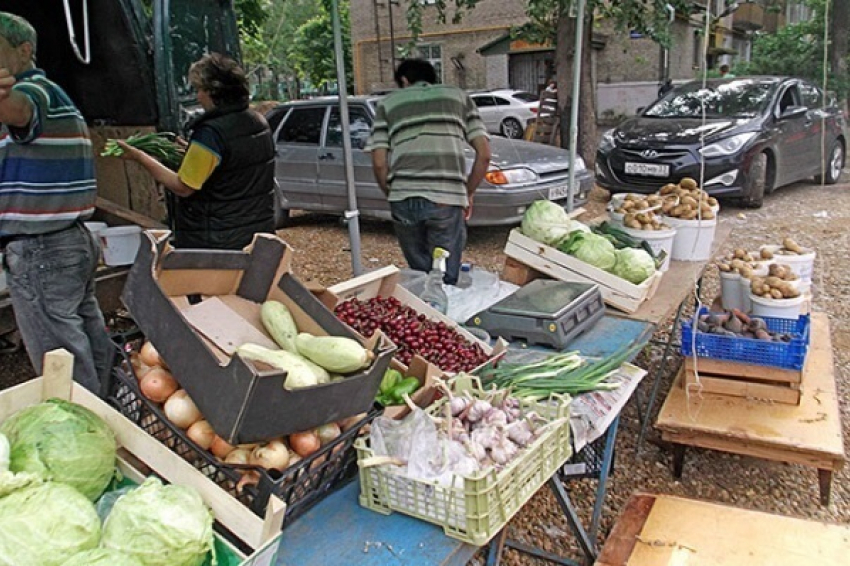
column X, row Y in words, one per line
column 755, row 134
column 310, row 170
column 506, row 111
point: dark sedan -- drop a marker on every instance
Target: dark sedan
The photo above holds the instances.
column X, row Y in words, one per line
column 741, row 137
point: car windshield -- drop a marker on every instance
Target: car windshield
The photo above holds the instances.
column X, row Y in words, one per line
column 525, row 96
column 736, row 99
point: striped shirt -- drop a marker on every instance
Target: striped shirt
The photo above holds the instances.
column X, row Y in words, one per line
column 47, row 178
column 425, row 129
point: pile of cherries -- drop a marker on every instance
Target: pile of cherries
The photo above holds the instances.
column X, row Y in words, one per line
column 412, row 332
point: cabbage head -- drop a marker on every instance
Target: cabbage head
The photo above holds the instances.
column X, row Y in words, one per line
column 634, row 265
column 546, row 222
column 44, row 524
column 64, row 442
column 590, row 248
column 4, row 453
column 160, row 525
column 102, row 557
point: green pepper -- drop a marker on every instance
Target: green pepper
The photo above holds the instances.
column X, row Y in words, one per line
column 392, row 377
column 405, row 387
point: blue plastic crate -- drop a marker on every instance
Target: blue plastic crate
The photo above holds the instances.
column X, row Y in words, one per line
column 787, row 355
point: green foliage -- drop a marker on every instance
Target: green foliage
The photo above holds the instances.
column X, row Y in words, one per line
column 312, row 54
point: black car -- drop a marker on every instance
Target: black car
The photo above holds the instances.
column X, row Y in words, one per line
column 754, row 134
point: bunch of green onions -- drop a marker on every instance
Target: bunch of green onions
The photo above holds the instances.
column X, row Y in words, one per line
column 566, row 373
column 159, row 145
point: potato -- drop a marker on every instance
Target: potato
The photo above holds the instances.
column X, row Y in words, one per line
column 746, row 271
column 667, row 207
column 647, row 226
column 667, row 189
column 641, row 204
column 776, row 294
column 724, row 267
column 689, row 201
column 677, row 211
column 792, row 246
column 712, row 201
column 736, row 264
column 740, row 253
column 773, row 281
column 632, row 223
column 788, row 291
column 688, row 183
column 766, row 253
column 628, row 204
column 632, row 197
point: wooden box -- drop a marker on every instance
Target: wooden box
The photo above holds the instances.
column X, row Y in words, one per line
column 616, row 292
column 743, row 380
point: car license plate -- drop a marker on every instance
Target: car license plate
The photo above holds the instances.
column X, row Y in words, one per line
column 647, row 169
column 557, row 193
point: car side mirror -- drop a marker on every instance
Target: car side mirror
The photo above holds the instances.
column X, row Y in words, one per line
column 793, row 112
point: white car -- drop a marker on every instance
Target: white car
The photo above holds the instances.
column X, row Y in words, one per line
column 506, row 112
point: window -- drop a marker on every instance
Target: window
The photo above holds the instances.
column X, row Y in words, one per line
column 433, row 54
column 525, row 96
column 811, row 96
column 483, row 101
column 789, row 98
column 304, row 125
column 360, row 126
column 501, row 101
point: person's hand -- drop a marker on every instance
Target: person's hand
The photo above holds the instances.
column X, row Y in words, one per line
column 181, row 142
column 130, row 153
column 467, row 212
column 7, row 81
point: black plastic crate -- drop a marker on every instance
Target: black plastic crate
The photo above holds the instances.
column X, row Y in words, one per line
column 587, row 463
column 299, row 486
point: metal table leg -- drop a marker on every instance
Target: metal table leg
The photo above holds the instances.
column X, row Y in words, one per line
column 602, row 488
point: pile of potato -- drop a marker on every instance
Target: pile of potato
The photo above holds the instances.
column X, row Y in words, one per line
column 737, row 261
column 644, row 221
column 691, row 202
column 777, row 285
column 788, row 247
column 633, row 203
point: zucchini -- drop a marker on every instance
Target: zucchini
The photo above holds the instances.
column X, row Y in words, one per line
column 279, row 323
column 300, row 372
column 336, row 354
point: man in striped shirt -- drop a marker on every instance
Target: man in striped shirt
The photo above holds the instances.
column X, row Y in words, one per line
column 417, row 147
column 47, row 187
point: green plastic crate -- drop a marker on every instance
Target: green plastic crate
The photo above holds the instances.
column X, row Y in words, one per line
column 475, row 508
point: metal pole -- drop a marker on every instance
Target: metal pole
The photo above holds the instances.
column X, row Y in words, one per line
column 574, row 106
column 352, row 215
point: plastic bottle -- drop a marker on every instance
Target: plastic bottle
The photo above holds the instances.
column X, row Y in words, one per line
column 464, row 280
column 434, row 294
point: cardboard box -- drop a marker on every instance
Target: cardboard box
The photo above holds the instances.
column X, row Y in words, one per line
column 253, row 531
column 242, row 402
column 427, row 374
column 384, row 282
column 616, row 291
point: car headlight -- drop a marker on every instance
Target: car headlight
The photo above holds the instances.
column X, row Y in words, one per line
column 729, row 146
column 580, row 165
column 607, row 142
column 510, row 176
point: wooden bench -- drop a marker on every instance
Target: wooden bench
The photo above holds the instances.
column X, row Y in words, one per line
column 661, row 530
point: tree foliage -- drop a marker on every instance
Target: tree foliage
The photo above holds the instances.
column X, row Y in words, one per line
column 311, row 53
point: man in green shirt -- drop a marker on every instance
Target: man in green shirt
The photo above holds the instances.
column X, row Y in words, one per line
column 417, row 146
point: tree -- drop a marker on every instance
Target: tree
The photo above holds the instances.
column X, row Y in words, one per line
column 552, row 21
column 311, row 53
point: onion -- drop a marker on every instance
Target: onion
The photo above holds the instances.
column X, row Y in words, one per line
column 220, row 447
column 181, row 410
column 139, row 367
column 293, row 458
column 272, row 456
column 158, row 385
column 202, row 434
column 150, row 356
column 238, row 457
column 328, row 433
column 304, row 443
column 347, row 424
column 250, row 477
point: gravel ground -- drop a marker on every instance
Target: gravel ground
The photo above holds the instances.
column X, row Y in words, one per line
column 816, row 217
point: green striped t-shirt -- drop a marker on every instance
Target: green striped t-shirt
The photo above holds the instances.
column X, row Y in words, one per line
column 424, row 127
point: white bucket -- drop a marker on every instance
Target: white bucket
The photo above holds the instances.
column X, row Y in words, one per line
column 95, row 227
column 777, row 308
column 120, row 244
column 657, row 239
column 693, row 238
column 731, row 290
column 802, row 264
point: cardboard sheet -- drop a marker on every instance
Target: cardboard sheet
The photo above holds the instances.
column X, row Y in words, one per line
column 224, row 326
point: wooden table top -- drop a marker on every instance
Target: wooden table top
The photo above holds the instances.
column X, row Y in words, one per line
column 662, row 530
column 809, row 433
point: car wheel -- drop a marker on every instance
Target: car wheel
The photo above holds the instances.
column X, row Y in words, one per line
column 833, row 167
column 511, row 128
column 756, row 181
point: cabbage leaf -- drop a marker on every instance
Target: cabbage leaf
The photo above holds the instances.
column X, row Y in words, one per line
column 546, row 222
column 590, row 248
column 634, row 265
column 102, row 557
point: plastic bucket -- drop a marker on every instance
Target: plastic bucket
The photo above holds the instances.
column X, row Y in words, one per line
column 657, row 239
column 731, row 290
column 96, row 227
column 693, row 238
column 777, row 308
column 803, row 264
column 120, row 244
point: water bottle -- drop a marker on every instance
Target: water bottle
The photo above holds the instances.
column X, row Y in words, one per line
column 434, row 294
column 464, row 280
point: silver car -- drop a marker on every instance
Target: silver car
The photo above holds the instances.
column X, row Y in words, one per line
column 310, row 170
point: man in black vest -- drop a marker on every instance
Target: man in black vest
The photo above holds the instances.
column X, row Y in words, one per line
column 226, row 180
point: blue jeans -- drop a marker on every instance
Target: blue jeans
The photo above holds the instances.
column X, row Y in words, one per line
column 422, row 225
column 51, row 283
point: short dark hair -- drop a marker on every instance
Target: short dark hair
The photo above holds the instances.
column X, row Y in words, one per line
column 221, row 77
column 415, row 71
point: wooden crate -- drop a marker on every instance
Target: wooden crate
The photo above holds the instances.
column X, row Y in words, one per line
column 743, row 380
column 616, row 292
column 253, row 531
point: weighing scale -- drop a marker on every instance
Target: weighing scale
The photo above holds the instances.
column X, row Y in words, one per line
column 544, row 311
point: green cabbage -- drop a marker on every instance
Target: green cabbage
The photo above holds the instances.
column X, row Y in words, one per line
column 44, row 524
column 4, row 453
column 64, row 442
column 160, row 525
column 546, row 222
column 590, row 248
column 634, row 265
column 102, row 557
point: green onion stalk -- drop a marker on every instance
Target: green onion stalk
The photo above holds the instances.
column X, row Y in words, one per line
column 159, row 145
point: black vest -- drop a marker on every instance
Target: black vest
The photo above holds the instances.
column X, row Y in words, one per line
column 237, row 200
